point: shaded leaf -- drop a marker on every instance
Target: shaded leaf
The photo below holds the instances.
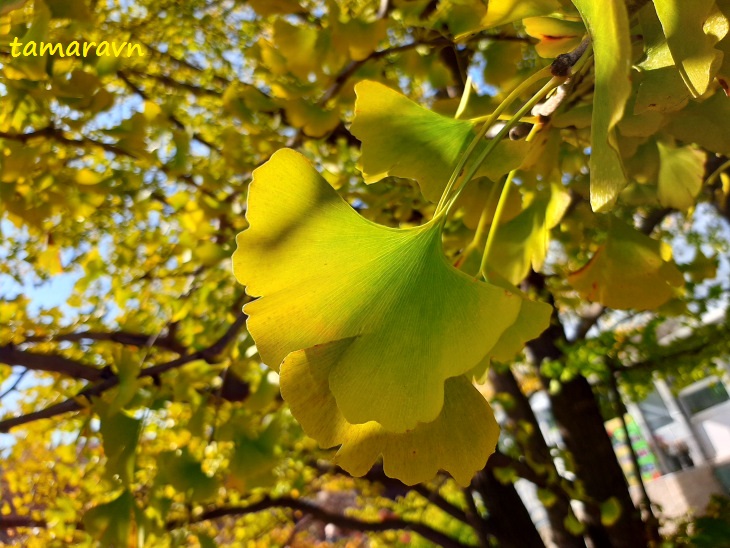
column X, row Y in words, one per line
column 110, row 523
column 681, row 172
column 120, row 434
column 185, row 474
column 522, row 243
column 459, row 440
column 629, row 271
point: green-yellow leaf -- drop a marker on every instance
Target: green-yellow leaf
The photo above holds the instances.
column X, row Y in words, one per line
column 181, row 470
column 608, row 24
column 693, row 51
column 459, row 440
column 629, row 271
column 681, row 172
column 120, row 434
column 324, row 273
column 110, row 523
column 418, row 143
column 522, row 243
column 610, row 512
column 704, row 123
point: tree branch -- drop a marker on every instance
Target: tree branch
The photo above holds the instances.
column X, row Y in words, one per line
column 52, row 363
column 121, row 337
column 13, row 522
column 209, row 354
column 340, row 520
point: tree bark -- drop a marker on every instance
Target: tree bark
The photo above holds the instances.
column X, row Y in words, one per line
column 581, row 426
column 538, row 450
column 509, row 520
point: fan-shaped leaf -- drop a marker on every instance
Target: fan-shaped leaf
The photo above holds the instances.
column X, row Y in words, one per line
column 630, row 271
column 459, row 440
column 325, row 273
column 693, row 51
column 681, row 172
column 418, row 143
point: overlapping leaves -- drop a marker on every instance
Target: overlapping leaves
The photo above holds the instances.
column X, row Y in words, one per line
column 376, row 316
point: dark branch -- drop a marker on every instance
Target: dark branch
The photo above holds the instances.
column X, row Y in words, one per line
column 52, row 363
column 341, row 521
column 121, row 337
column 209, row 354
column 13, row 522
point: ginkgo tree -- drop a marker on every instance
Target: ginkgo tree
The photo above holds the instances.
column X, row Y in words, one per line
column 280, row 269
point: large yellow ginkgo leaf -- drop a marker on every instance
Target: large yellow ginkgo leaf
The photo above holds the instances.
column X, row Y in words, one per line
column 324, row 273
column 459, row 440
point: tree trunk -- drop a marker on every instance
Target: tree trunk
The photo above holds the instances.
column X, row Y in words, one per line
column 581, row 426
column 509, row 521
column 539, row 451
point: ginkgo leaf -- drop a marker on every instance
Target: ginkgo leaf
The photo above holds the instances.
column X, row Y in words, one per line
column 401, row 138
column 181, row 470
column 314, row 120
column 522, row 243
column 110, row 523
column 608, row 24
column 325, row 273
column 629, row 271
column 693, row 51
column 533, row 319
column 704, row 123
column 661, row 87
column 120, row 434
column 681, row 172
column 555, row 35
column 473, row 199
column 500, row 12
column 459, row 440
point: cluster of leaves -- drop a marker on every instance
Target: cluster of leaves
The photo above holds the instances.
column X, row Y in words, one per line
column 148, row 407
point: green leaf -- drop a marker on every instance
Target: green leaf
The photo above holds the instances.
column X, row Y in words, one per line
column 401, row 138
column 610, row 511
column 692, row 50
column 184, row 473
column 661, row 87
column 253, row 460
column 120, row 434
column 629, row 271
column 704, row 123
column 608, row 25
column 522, row 243
column 547, row 497
column 573, row 525
column 459, row 440
column 110, row 523
column 681, row 172
column 324, row 273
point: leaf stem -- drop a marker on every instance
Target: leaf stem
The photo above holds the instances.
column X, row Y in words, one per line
column 512, row 122
column 519, row 90
column 715, row 174
column 500, row 210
